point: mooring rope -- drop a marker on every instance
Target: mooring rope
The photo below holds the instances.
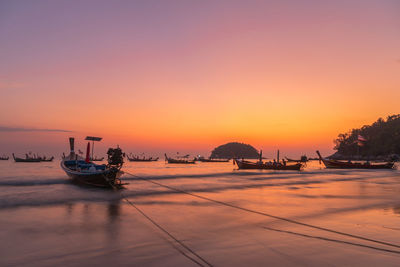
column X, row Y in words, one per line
column 266, row 214
column 202, row 261
column 331, row 240
column 171, row 236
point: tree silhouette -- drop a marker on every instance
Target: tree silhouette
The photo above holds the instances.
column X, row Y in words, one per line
column 383, row 138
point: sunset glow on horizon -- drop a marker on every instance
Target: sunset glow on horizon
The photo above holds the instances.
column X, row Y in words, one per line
column 155, row 76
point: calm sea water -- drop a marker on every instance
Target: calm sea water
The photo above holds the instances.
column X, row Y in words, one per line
column 47, row 221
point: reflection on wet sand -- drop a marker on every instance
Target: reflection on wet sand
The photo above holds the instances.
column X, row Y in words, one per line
column 92, row 212
column 60, row 223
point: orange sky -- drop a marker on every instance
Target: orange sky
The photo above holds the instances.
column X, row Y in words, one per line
column 157, row 76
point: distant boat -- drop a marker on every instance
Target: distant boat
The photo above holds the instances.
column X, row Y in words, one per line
column 4, row 158
column 26, row 159
column 143, row 159
column 260, row 165
column 178, row 161
column 335, row 164
column 202, row 159
column 85, row 172
column 302, row 159
column 244, row 164
column 44, row 158
column 96, row 159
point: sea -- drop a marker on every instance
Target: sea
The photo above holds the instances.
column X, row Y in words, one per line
column 205, row 214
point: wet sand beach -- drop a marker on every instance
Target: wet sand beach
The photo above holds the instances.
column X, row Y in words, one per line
column 47, row 221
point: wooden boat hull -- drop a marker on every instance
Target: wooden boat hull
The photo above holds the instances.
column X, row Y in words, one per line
column 213, row 160
column 242, row 164
column 97, row 180
column 295, row 160
column 142, row 160
column 178, row 161
column 47, row 160
column 334, row 164
column 104, row 179
column 26, row 160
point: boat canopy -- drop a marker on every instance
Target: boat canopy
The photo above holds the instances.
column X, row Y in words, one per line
column 93, row 138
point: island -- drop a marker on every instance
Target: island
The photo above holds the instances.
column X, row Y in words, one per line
column 235, row 150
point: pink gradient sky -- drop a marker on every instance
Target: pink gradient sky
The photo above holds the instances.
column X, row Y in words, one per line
column 157, row 76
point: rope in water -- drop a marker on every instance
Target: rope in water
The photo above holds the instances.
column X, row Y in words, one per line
column 266, row 214
column 200, row 260
column 171, row 236
column 331, row 240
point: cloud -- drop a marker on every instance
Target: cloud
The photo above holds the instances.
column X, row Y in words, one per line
column 24, row 129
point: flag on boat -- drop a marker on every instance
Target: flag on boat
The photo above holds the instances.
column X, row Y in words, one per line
column 87, row 160
column 361, row 138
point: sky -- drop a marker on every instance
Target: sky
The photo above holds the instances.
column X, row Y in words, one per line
column 167, row 76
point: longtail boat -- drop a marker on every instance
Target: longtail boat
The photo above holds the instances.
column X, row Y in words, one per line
column 203, row 159
column 4, row 158
column 97, row 159
column 260, row 165
column 44, row 158
column 178, row 161
column 26, row 159
column 143, row 159
column 211, row 160
column 244, row 164
column 84, row 171
column 336, row 164
column 302, row 159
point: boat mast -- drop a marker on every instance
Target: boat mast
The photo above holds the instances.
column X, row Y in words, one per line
column 93, row 138
column 71, row 145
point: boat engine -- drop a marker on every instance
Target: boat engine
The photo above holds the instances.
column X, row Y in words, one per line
column 115, row 157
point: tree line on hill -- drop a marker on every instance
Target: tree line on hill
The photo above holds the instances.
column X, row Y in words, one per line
column 381, row 139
